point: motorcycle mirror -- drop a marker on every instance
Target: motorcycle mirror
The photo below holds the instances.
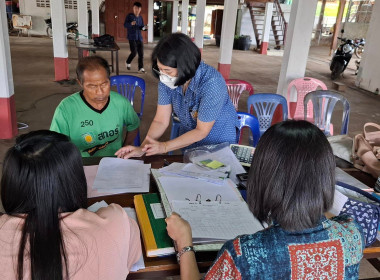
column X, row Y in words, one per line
column 342, row 31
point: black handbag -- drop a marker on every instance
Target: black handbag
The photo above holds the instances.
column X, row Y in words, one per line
column 105, row 40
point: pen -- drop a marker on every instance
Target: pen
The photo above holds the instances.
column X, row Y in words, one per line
column 166, row 163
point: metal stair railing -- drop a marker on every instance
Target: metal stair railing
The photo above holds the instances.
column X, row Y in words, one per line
column 281, row 19
column 254, row 10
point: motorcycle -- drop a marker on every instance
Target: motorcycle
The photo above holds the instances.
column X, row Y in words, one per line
column 359, row 48
column 71, row 29
column 342, row 57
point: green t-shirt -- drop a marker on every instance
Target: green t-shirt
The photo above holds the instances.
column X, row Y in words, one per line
column 95, row 132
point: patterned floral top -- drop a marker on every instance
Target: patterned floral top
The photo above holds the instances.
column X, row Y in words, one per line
column 332, row 250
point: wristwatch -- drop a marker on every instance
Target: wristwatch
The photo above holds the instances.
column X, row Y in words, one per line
column 184, row 250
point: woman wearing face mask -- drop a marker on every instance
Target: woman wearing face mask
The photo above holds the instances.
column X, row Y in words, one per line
column 195, row 92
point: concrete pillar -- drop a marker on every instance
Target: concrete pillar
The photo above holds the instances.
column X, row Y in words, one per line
column 302, row 15
column 199, row 23
column 227, row 37
column 185, row 16
column 369, row 72
column 61, row 60
column 95, row 18
column 8, row 123
column 175, row 16
column 150, row 21
column 318, row 32
column 342, row 4
column 267, row 27
column 82, row 19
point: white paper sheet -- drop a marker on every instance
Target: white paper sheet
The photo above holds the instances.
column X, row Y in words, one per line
column 218, row 221
column 97, row 205
column 339, row 201
column 131, row 212
column 116, row 175
column 90, row 172
column 158, row 210
column 190, row 189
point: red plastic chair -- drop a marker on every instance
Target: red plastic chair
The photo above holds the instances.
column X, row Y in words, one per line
column 236, row 88
column 303, row 86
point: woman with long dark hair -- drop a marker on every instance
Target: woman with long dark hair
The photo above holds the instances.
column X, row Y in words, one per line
column 197, row 95
column 290, row 186
column 46, row 233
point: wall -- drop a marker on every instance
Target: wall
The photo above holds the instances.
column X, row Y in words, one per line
column 369, row 72
column 29, row 7
column 355, row 30
column 246, row 27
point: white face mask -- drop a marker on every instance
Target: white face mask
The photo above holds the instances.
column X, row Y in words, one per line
column 168, row 80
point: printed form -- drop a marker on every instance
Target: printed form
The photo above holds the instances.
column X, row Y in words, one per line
column 217, row 220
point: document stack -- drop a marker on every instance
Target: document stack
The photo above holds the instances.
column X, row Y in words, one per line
column 116, row 175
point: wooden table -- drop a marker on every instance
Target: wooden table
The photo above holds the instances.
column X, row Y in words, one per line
column 160, row 267
column 88, row 45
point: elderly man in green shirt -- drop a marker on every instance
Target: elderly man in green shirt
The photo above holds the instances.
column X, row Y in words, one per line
column 95, row 117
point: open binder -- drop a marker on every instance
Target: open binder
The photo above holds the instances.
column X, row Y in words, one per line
column 215, row 216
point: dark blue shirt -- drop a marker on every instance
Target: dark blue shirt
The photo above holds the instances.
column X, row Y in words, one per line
column 134, row 31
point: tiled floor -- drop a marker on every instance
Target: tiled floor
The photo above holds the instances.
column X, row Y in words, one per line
column 37, row 95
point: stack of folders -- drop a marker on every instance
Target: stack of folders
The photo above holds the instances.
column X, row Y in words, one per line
column 117, row 175
column 216, row 212
column 152, row 225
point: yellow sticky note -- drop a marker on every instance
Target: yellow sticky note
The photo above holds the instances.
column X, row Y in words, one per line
column 214, row 164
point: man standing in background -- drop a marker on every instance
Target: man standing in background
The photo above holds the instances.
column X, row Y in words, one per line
column 134, row 24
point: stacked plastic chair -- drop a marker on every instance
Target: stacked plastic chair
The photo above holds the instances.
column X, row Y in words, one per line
column 126, row 86
column 247, row 120
column 236, row 88
column 264, row 105
column 324, row 102
column 303, row 86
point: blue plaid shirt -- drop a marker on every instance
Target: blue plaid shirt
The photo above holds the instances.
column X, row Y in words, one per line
column 206, row 99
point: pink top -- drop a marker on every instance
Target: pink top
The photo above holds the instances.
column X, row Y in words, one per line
column 101, row 245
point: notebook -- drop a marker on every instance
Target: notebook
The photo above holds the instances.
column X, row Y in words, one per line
column 152, row 225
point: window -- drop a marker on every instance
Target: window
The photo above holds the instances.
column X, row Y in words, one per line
column 43, row 3
column 71, row 4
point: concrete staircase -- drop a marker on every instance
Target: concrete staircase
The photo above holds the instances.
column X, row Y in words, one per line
column 278, row 23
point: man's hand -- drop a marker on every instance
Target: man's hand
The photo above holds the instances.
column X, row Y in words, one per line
column 154, row 147
column 133, row 22
column 129, row 151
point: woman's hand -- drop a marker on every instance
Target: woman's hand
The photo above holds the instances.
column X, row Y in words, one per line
column 129, row 151
column 154, row 147
column 179, row 230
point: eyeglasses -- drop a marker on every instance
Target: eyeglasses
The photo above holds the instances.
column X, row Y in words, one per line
column 159, row 73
